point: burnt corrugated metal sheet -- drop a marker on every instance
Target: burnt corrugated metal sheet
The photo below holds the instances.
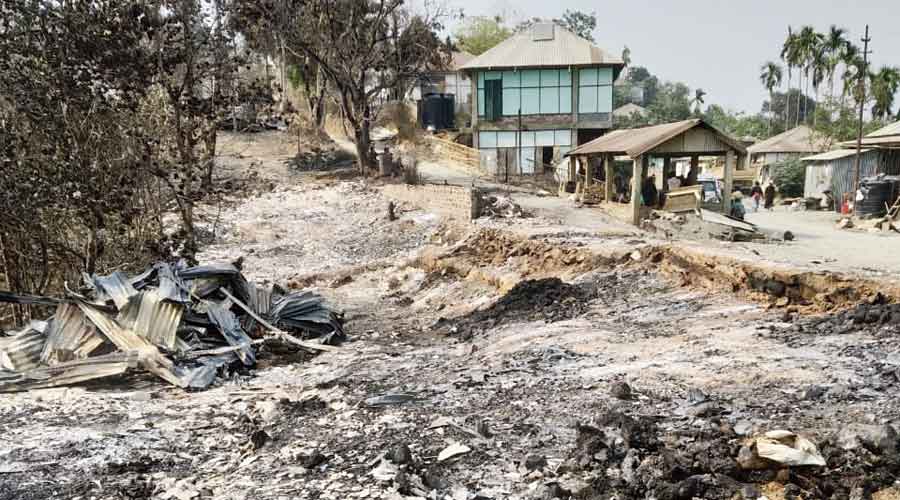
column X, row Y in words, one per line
column 71, row 372
column 564, row 49
column 637, row 141
column 800, row 139
column 116, row 286
column 70, row 336
column 22, row 351
column 153, row 318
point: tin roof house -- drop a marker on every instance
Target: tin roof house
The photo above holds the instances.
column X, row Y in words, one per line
column 538, row 95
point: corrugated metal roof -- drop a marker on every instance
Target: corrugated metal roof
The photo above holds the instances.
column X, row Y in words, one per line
column 522, row 51
column 796, row 140
column 892, row 129
column 833, row 155
column 637, row 141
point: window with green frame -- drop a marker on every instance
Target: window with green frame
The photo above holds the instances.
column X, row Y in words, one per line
column 534, row 92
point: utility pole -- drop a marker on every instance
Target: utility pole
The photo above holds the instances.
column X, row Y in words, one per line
column 861, row 93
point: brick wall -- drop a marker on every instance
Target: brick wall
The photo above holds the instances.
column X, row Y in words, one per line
column 456, row 202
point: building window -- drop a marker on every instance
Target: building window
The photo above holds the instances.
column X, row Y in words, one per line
column 534, row 92
column 595, row 90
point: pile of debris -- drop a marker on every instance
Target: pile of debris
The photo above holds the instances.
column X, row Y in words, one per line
column 548, row 299
column 634, row 456
column 329, row 157
column 183, row 324
column 496, row 206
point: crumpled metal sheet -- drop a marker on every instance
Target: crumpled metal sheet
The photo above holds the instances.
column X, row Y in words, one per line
column 228, row 324
column 68, row 373
column 116, row 286
column 22, row 351
column 70, row 336
column 171, row 287
column 153, row 318
column 128, row 341
column 307, row 311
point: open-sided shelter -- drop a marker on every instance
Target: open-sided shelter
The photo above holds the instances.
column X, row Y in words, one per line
column 685, row 139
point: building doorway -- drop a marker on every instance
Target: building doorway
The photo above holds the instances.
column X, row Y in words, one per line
column 547, row 156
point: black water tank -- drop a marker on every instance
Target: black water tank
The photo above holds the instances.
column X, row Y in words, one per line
column 880, row 192
column 437, row 111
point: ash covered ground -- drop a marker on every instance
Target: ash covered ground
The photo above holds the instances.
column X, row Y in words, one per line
column 482, row 365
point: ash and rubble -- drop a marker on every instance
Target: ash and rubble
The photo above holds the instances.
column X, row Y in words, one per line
column 580, row 379
column 183, row 324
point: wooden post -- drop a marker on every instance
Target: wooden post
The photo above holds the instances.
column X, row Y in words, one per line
column 573, row 169
column 588, row 172
column 662, row 183
column 695, row 170
column 728, row 181
column 608, row 170
column 636, row 177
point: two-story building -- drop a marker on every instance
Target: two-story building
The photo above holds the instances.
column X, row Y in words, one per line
column 537, row 95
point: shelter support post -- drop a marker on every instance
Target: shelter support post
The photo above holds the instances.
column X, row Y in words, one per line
column 573, row 169
column 728, row 181
column 588, row 173
column 695, row 171
column 608, row 170
column 636, row 178
column 662, row 182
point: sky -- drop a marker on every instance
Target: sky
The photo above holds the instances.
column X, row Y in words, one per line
column 718, row 46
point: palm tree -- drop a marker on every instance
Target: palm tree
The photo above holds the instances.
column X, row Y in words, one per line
column 852, row 61
column 808, row 43
column 884, row 86
column 699, row 94
column 834, row 44
column 819, row 67
column 788, row 55
column 770, row 76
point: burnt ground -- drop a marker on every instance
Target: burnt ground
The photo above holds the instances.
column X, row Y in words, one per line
column 564, row 377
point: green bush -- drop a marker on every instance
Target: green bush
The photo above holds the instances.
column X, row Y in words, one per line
column 789, row 176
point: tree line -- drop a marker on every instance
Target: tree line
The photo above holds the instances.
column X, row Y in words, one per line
column 824, row 59
column 110, row 111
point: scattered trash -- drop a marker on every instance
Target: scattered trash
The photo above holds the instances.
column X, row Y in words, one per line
column 496, row 206
column 389, row 399
column 845, row 223
column 454, row 450
column 183, row 324
column 779, row 448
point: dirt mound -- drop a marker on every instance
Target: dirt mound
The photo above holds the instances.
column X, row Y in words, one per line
column 548, row 300
column 529, row 258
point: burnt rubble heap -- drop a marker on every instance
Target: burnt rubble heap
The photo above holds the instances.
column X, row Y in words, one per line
column 183, row 324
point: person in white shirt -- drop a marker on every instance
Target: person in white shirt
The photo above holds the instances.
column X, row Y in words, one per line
column 674, row 182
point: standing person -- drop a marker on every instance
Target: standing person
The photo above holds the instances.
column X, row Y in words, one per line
column 770, row 196
column 649, row 191
column 756, row 193
column 737, row 205
column 674, row 182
